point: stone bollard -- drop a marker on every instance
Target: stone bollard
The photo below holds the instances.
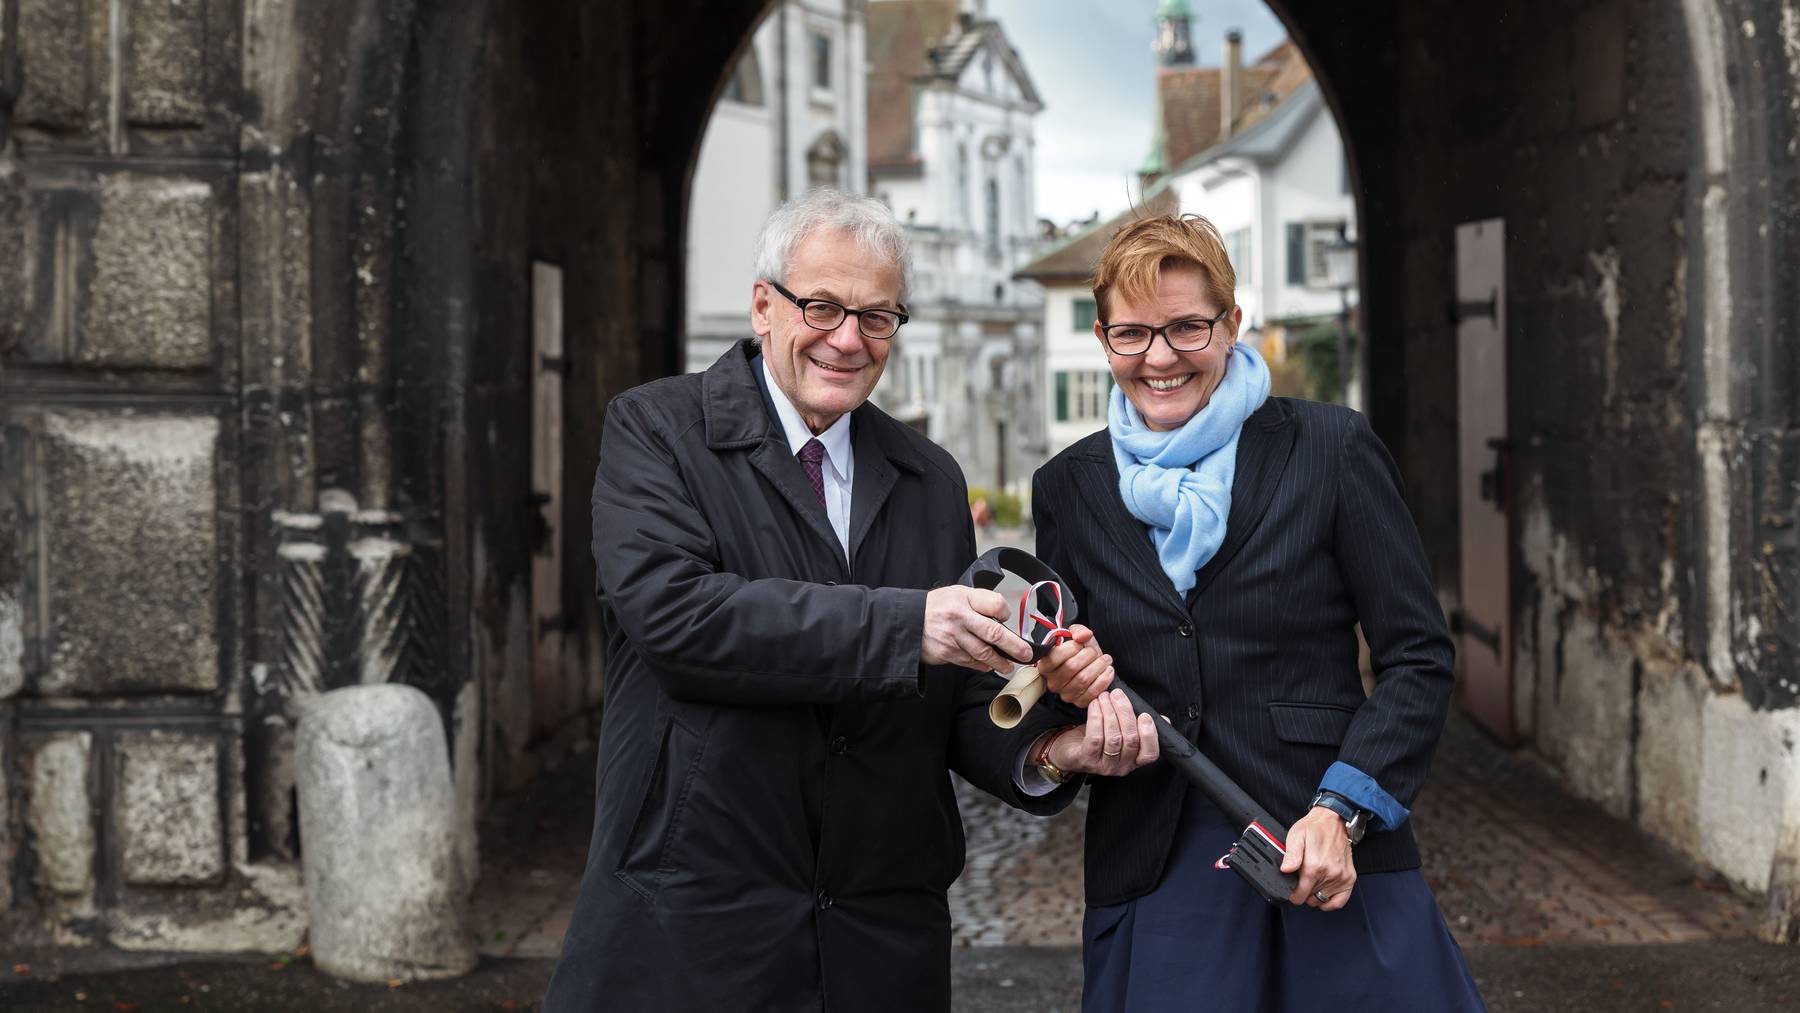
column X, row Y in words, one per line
column 377, row 837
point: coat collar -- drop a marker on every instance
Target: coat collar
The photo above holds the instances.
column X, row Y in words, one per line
column 1264, row 446
column 737, row 417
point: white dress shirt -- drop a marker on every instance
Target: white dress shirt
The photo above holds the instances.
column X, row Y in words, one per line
column 839, row 465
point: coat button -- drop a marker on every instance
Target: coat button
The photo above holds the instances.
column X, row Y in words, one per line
column 1193, row 712
column 824, row 901
column 839, row 744
column 1185, row 630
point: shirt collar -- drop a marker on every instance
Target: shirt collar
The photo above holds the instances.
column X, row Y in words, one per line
column 836, row 439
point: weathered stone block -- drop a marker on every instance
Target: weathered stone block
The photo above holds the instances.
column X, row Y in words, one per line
column 12, row 563
column 12, row 257
column 151, row 301
column 167, row 808
column 61, row 813
column 130, row 534
column 56, row 43
column 166, row 62
column 378, row 839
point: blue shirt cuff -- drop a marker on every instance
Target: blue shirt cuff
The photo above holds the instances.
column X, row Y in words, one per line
column 1362, row 790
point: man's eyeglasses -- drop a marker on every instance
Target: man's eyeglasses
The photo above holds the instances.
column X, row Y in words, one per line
column 825, row 315
column 1190, row 335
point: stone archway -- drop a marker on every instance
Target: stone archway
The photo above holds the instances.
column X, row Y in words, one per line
column 267, row 348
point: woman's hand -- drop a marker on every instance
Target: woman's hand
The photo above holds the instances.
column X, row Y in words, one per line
column 1319, row 850
column 1116, row 741
column 1076, row 670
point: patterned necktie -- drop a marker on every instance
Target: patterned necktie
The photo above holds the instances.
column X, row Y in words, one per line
column 811, row 457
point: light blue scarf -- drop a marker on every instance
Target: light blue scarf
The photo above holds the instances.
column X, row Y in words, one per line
column 1186, row 504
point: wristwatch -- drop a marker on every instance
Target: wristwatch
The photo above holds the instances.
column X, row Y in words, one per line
column 1041, row 758
column 1356, row 820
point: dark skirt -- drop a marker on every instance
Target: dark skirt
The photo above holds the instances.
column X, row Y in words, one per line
column 1203, row 940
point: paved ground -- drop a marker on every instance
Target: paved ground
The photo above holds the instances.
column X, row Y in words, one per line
column 1559, row 908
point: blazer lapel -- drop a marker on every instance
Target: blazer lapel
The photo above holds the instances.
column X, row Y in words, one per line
column 1100, row 478
column 771, row 457
column 1264, row 447
column 874, row 479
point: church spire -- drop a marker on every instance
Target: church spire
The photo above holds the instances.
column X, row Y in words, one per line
column 1174, row 42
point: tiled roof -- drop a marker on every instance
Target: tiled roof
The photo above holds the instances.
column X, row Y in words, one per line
column 899, row 33
column 1190, row 99
column 1073, row 260
column 913, row 40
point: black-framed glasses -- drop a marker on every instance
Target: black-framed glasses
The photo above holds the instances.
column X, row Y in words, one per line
column 825, row 315
column 1191, row 334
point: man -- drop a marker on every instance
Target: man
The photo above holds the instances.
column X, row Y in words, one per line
column 775, row 829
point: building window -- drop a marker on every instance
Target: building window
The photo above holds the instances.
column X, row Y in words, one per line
column 1081, row 394
column 993, row 219
column 1087, row 312
column 1237, row 247
column 1306, row 246
column 746, row 84
column 825, row 161
column 962, row 184
column 821, row 64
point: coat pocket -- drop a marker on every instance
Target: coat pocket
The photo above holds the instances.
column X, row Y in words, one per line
column 1318, row 724
column 649, row 850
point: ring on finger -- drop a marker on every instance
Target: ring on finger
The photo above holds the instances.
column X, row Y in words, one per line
column 1105, row 753
column 1321, row 896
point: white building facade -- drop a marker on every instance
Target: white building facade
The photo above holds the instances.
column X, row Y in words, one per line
column 967, row 369
column 1280, row 196
column 792, row 117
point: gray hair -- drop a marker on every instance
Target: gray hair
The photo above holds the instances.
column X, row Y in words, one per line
column 868, row 221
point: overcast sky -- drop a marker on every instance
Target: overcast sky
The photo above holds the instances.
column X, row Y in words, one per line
column 1092, row 65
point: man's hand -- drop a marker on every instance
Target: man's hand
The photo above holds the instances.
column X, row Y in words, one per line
column 1319, row 850
column 1115, row 742
column 1076, row 670
column 964, row 626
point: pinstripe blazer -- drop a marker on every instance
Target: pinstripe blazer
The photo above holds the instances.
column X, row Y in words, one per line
column 1258, row 664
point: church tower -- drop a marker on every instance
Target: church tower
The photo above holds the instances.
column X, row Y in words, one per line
column 1174, row 40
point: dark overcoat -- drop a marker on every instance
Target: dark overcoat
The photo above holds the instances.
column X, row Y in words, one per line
column 775, row 826
column 1258, row 663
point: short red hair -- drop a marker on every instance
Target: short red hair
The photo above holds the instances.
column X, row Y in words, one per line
column 1135, row 256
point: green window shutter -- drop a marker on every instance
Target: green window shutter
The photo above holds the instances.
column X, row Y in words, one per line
column 1296, row 253
column 1062, row 396
column 1085, row 315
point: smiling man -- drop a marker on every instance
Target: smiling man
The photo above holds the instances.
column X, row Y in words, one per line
column 775, row 828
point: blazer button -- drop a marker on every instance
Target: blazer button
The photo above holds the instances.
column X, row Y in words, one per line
column 824, row 901
column 1193, row 712
column 1185, row 630
column 831, row 583
column 839, row 745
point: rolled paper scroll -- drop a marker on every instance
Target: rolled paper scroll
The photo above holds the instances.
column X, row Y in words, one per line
column 1020, row 695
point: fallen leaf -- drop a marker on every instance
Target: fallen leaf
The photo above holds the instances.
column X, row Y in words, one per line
column 395, row 982
column 81, row 997
column 22, row 970
column 124, row 1007
column 509, row 1004
column 186, row 999
column 304, row 951
column 1521, row 941
column 1600, row 921
column 278, row 966
column 1667, row 1004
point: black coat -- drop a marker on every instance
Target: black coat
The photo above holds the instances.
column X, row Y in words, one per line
column 775, row 825
column 1258, row 665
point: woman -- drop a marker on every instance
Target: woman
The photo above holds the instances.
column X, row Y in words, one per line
column 1225, row 545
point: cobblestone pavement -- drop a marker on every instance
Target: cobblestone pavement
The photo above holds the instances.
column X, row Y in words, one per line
column 1513, row 859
